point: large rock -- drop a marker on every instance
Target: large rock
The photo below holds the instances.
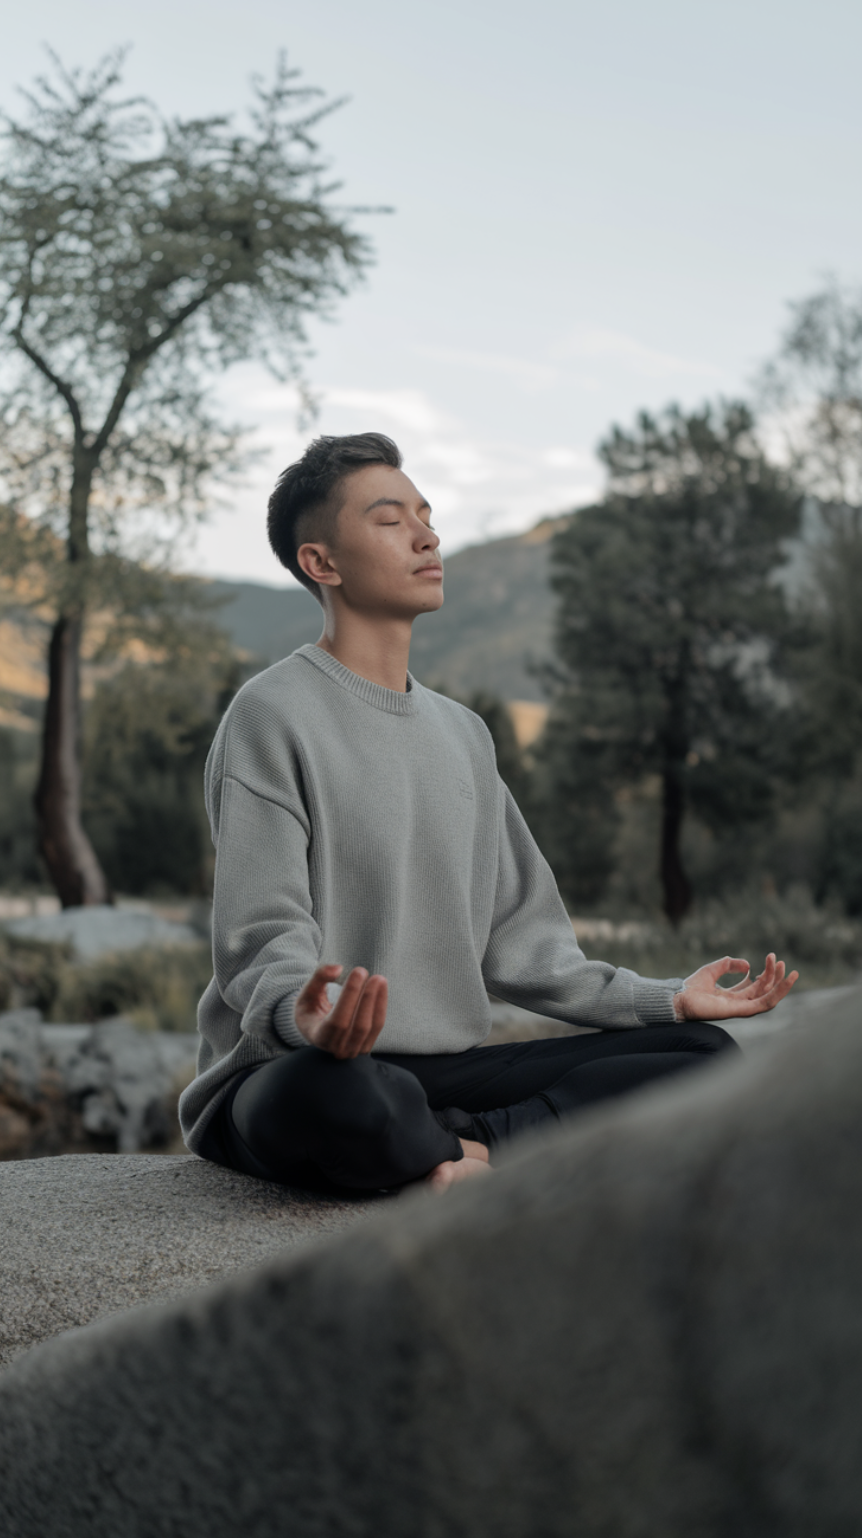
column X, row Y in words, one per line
column 646, row 1326
column 102, row 929
column 90, row 1234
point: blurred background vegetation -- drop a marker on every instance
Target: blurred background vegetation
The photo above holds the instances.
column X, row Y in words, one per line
column 672, row 677
column 701, row 626
column 673, row 680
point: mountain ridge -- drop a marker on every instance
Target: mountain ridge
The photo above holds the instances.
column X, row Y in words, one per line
column 494, row 627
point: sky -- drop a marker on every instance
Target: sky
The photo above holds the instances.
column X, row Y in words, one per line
column 598, row 208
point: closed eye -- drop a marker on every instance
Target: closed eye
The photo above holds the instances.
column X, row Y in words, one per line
column 393, row 524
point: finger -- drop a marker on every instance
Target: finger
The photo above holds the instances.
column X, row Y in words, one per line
column 728, row 964
column 369, row 1018
column 739, row 987
column 708, row 976
column 333, row 1032
column 313, row 995
column 378, row 1013
column 345, row 1033
column 772, row 973
column 765, row 1001
column 754, row 988
column 342, row 1011
column 736, row 964
column 321, row 976
column 778, row 992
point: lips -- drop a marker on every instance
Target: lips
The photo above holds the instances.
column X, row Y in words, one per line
column 433, row 569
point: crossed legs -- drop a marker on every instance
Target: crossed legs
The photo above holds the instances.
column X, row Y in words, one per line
column 382, row 1120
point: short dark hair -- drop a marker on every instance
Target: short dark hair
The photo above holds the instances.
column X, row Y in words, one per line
column 305, row 499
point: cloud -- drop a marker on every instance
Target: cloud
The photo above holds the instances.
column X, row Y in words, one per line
column 408, row 408
column 478, row 487
column 530, row 375
column 648, row 362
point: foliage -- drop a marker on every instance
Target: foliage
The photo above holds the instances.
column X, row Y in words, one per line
column 148, row 732
column 814, row 386
column 576, row 815
column 19, row 862
column 510, row 760
column 30, row 972
column 159, row 988
column 668, row 635
column 137, row 256
column 819, row 941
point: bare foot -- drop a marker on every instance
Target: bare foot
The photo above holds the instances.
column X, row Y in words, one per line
column 452, row 1170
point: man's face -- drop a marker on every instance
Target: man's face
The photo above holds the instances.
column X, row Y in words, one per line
column 385, row 559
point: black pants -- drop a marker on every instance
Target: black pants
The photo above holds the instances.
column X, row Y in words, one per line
column 378, row 1121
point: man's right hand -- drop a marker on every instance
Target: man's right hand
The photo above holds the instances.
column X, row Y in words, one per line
column 350, row 1026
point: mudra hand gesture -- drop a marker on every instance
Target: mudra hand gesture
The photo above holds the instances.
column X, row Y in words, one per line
column 351, row 1025
column 703, row 999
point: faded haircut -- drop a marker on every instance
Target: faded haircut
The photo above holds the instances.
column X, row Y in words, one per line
column 306, row 502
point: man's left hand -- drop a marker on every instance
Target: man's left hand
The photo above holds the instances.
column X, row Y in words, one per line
column 703, row 999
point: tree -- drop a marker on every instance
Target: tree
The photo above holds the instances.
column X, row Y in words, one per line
column 137, row 255
column 148, row 730
column 668, row 627
column 814, row 387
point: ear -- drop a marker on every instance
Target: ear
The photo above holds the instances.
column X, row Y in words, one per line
column 317, row 564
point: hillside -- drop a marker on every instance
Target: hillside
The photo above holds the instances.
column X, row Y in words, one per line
column 495, row 621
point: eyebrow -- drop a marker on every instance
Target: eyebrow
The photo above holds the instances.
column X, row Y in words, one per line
column 393, row 502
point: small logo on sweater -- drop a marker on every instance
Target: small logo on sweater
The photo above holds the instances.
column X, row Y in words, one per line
column 466, row 790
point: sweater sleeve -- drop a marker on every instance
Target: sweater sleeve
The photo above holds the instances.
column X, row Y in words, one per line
column 533, row 958
column 266, row 943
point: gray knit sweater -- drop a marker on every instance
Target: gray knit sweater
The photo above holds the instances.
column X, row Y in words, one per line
column 357, row 824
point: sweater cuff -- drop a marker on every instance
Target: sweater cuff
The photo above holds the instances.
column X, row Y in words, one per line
column 653, row 1000
column 283, row 1023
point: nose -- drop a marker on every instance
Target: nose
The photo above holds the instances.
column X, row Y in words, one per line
column 425, row 538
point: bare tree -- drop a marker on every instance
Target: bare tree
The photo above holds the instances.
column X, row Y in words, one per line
column 137, row 256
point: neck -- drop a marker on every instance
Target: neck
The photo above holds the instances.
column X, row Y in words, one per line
column 375, row 648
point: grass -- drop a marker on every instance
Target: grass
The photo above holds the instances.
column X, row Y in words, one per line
column 159, row 988
column 822, row 944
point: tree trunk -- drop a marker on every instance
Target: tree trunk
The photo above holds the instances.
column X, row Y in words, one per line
column 70, row 857
column 677, row 887
column 64, row 846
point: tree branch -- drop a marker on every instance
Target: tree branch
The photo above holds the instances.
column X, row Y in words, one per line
column 64, row 390
column 138, row 361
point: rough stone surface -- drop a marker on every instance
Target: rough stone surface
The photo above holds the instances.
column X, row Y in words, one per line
column 86, row 1235
column 647, row 1325
column 99, row 930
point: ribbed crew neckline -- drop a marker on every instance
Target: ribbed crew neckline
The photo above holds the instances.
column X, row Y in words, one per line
column 392, row 700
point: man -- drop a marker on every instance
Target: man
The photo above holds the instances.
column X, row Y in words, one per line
column 362, row 832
